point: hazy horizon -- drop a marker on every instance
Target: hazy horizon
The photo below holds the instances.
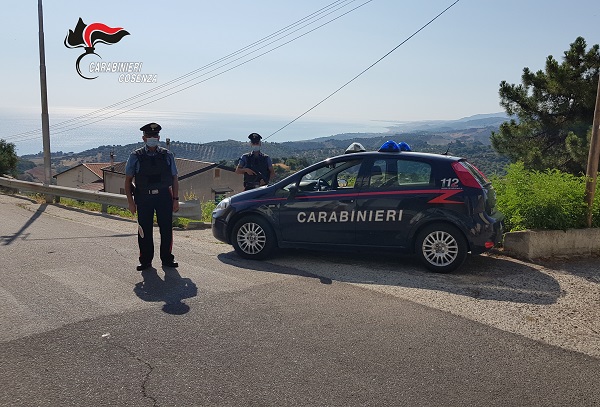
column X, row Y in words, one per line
column 255, row 66
column 189, row 127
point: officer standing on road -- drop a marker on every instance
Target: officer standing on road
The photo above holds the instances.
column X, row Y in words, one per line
column 156, row 189
column 256, row 166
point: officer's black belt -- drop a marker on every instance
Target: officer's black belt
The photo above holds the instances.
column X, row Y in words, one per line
column 151, row 191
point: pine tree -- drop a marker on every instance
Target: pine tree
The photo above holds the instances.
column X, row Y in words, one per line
column 553, row 111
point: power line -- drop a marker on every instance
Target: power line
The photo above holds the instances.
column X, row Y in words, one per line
column 365, row 70
column 69, row 125
column 320, row 11
column 156, row 99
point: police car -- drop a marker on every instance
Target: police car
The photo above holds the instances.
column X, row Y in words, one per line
column 437, row 207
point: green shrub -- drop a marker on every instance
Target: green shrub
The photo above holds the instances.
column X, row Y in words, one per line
column 181, row 222
column 543, row 200
column 122, row 212
column 206, row 210
column 96, row 207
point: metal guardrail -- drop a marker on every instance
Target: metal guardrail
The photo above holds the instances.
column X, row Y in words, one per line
column 187, row 209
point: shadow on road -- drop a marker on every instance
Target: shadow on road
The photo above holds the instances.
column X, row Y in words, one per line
column 172, row 290
column 234, row 260
column 483, row 277
column 6, row 240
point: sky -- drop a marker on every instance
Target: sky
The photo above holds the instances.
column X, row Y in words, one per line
column 451, row 69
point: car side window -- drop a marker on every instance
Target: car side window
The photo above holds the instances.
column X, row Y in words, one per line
column 413, row 173
column 396, row 172
column 331, row 176
column 379, row 174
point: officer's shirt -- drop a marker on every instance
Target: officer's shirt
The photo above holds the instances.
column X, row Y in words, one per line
column 133, row 164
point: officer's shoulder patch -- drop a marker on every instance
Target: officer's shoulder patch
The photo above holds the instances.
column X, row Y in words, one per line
column 139, row 151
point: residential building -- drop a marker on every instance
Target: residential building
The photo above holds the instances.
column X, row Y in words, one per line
column 83, row 176
column 197, row 180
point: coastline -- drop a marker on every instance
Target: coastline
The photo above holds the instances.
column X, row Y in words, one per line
column 72, row 131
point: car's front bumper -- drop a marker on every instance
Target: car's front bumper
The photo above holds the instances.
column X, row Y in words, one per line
column 219, row 229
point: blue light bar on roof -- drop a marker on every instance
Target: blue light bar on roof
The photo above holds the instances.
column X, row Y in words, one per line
column 389, row 146
column 404, row 146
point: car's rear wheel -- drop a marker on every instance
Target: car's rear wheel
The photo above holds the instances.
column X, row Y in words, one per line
column 253, row 238
column 441, row 247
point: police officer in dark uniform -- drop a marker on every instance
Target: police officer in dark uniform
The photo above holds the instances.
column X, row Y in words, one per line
column 156, row 190
column 256, row 166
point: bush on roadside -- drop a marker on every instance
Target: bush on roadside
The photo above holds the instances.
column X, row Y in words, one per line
column 180, row 222
column 206, row 210
column 543, row 200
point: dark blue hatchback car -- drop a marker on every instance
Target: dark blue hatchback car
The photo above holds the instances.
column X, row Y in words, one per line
column 437, row 207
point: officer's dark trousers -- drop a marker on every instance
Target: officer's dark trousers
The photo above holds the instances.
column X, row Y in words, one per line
column 162, row 203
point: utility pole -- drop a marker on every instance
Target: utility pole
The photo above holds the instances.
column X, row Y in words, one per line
column 44, row 94
column 593, row 158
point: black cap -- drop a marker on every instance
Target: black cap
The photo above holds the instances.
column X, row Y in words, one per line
column 254, row 138
column 151, row 129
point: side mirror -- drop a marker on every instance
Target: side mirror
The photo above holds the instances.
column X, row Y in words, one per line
column 293, row 191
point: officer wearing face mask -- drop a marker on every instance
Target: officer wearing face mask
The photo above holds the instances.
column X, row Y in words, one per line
column 256, row 166
column 156, row 190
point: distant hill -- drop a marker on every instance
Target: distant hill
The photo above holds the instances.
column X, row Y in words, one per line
column 480, row 121
column 468, row 137
column 475, row 128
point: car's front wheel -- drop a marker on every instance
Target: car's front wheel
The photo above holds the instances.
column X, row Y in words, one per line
column 441, row 247
column 253, row 238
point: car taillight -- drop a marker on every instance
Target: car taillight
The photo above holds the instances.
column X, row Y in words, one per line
column 481, row 173
column 464, row 176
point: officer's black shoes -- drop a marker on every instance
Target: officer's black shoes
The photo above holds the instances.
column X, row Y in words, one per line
column 143, row 266
column 171, row 263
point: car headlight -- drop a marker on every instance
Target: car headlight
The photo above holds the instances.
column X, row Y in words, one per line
column 224, row 204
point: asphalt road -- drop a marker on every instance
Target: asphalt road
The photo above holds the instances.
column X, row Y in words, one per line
column 80, row 326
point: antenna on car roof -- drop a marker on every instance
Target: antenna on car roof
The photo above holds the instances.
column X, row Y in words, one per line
column 448, row 149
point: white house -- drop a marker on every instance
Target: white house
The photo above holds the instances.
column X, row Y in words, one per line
column 197, row 180
column 84, row 176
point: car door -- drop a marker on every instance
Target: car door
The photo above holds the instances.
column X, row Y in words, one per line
column 397, row 190
column 320, row 204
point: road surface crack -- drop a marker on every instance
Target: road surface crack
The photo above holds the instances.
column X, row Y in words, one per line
column 146, row 378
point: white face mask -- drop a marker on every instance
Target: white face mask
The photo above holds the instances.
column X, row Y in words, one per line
column 255, row 148
column 152, row 141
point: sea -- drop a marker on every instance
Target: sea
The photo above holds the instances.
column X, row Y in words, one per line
column 77, row 130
